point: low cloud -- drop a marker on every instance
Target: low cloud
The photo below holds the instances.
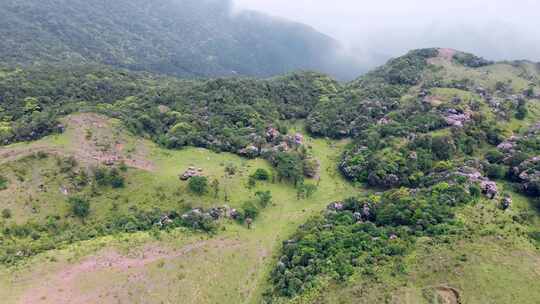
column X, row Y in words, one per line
column 373, row 31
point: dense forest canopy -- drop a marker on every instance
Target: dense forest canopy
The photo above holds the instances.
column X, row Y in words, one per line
column 188, row 38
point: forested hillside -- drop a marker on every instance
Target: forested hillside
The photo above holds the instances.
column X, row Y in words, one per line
column 188, row 38
column 419, row 181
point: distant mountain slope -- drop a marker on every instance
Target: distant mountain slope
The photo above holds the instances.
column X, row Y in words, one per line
column 178, row 37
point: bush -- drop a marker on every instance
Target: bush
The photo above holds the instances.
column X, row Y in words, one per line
column 198, row 185
column 115, row 179
column 250, row 210
column 80, row 207
column 496, row 171
column 6, row 213
column 261, row 174
column 3, row 183
column 109, row 177
column 494, row 156
column 264, row 198
column 230, row 169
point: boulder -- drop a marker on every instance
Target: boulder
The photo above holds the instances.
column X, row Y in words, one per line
column 250, row 151
column 336, row 206
column 298, row 139
column 191, row 172
column 506, row 202
column 272, row 134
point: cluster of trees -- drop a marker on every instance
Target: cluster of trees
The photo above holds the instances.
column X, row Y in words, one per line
column 369, row 98
column 219, row 114
column 518, row 165
column 20, row 241
column 362, row 232
column 470, row 60
column 395, row 157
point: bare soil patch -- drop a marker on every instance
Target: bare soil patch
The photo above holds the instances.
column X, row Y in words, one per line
column 446, row 295
column 63, row 287
column 445, row 54
column 93, row 140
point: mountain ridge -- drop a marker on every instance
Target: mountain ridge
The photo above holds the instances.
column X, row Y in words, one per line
column 183, row 38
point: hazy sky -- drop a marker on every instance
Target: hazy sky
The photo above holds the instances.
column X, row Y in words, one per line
column 377, row 29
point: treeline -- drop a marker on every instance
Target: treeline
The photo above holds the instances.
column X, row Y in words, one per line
column 220, row 114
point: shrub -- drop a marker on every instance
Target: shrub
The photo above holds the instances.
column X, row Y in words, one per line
column 496, row 171
column 80, row 207
column 3, row 183
column 264, row 198
column 6, row 213
column 250, row 210
column 198, row 185
column 115, row 179
column 494, row 156
column 261, row 174
column 106, row 177
column 230, row 169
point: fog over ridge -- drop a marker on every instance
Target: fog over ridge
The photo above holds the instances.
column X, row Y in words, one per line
column 373, row 31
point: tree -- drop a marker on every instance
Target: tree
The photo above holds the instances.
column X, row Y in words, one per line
column 289, row 166
column 215, row 187
column 80, row 207
column 264, row 198
column 443, row 147
column 250, row 210
column 198, row 185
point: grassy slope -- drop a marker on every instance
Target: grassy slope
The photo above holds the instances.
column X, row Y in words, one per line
column 495, row 262
column 230, row 268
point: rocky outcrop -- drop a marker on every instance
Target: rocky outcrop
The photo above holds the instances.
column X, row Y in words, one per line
column 488, row 187
column 457, row 119
column 191, row 172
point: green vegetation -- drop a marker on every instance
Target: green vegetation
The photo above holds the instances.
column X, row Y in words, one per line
column 437, row 148
column 198, row 185
column 3, row 183
column 360, row 233
column 80, row 207
column 162, row 39
column 261, row 174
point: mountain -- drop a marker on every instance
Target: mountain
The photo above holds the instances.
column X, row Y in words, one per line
column 187, row 38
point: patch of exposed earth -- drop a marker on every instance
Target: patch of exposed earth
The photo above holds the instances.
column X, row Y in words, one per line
column 445, row 55
column 93, row 139
column 67, row 285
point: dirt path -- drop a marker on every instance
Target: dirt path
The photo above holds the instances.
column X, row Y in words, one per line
column 64, row 285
